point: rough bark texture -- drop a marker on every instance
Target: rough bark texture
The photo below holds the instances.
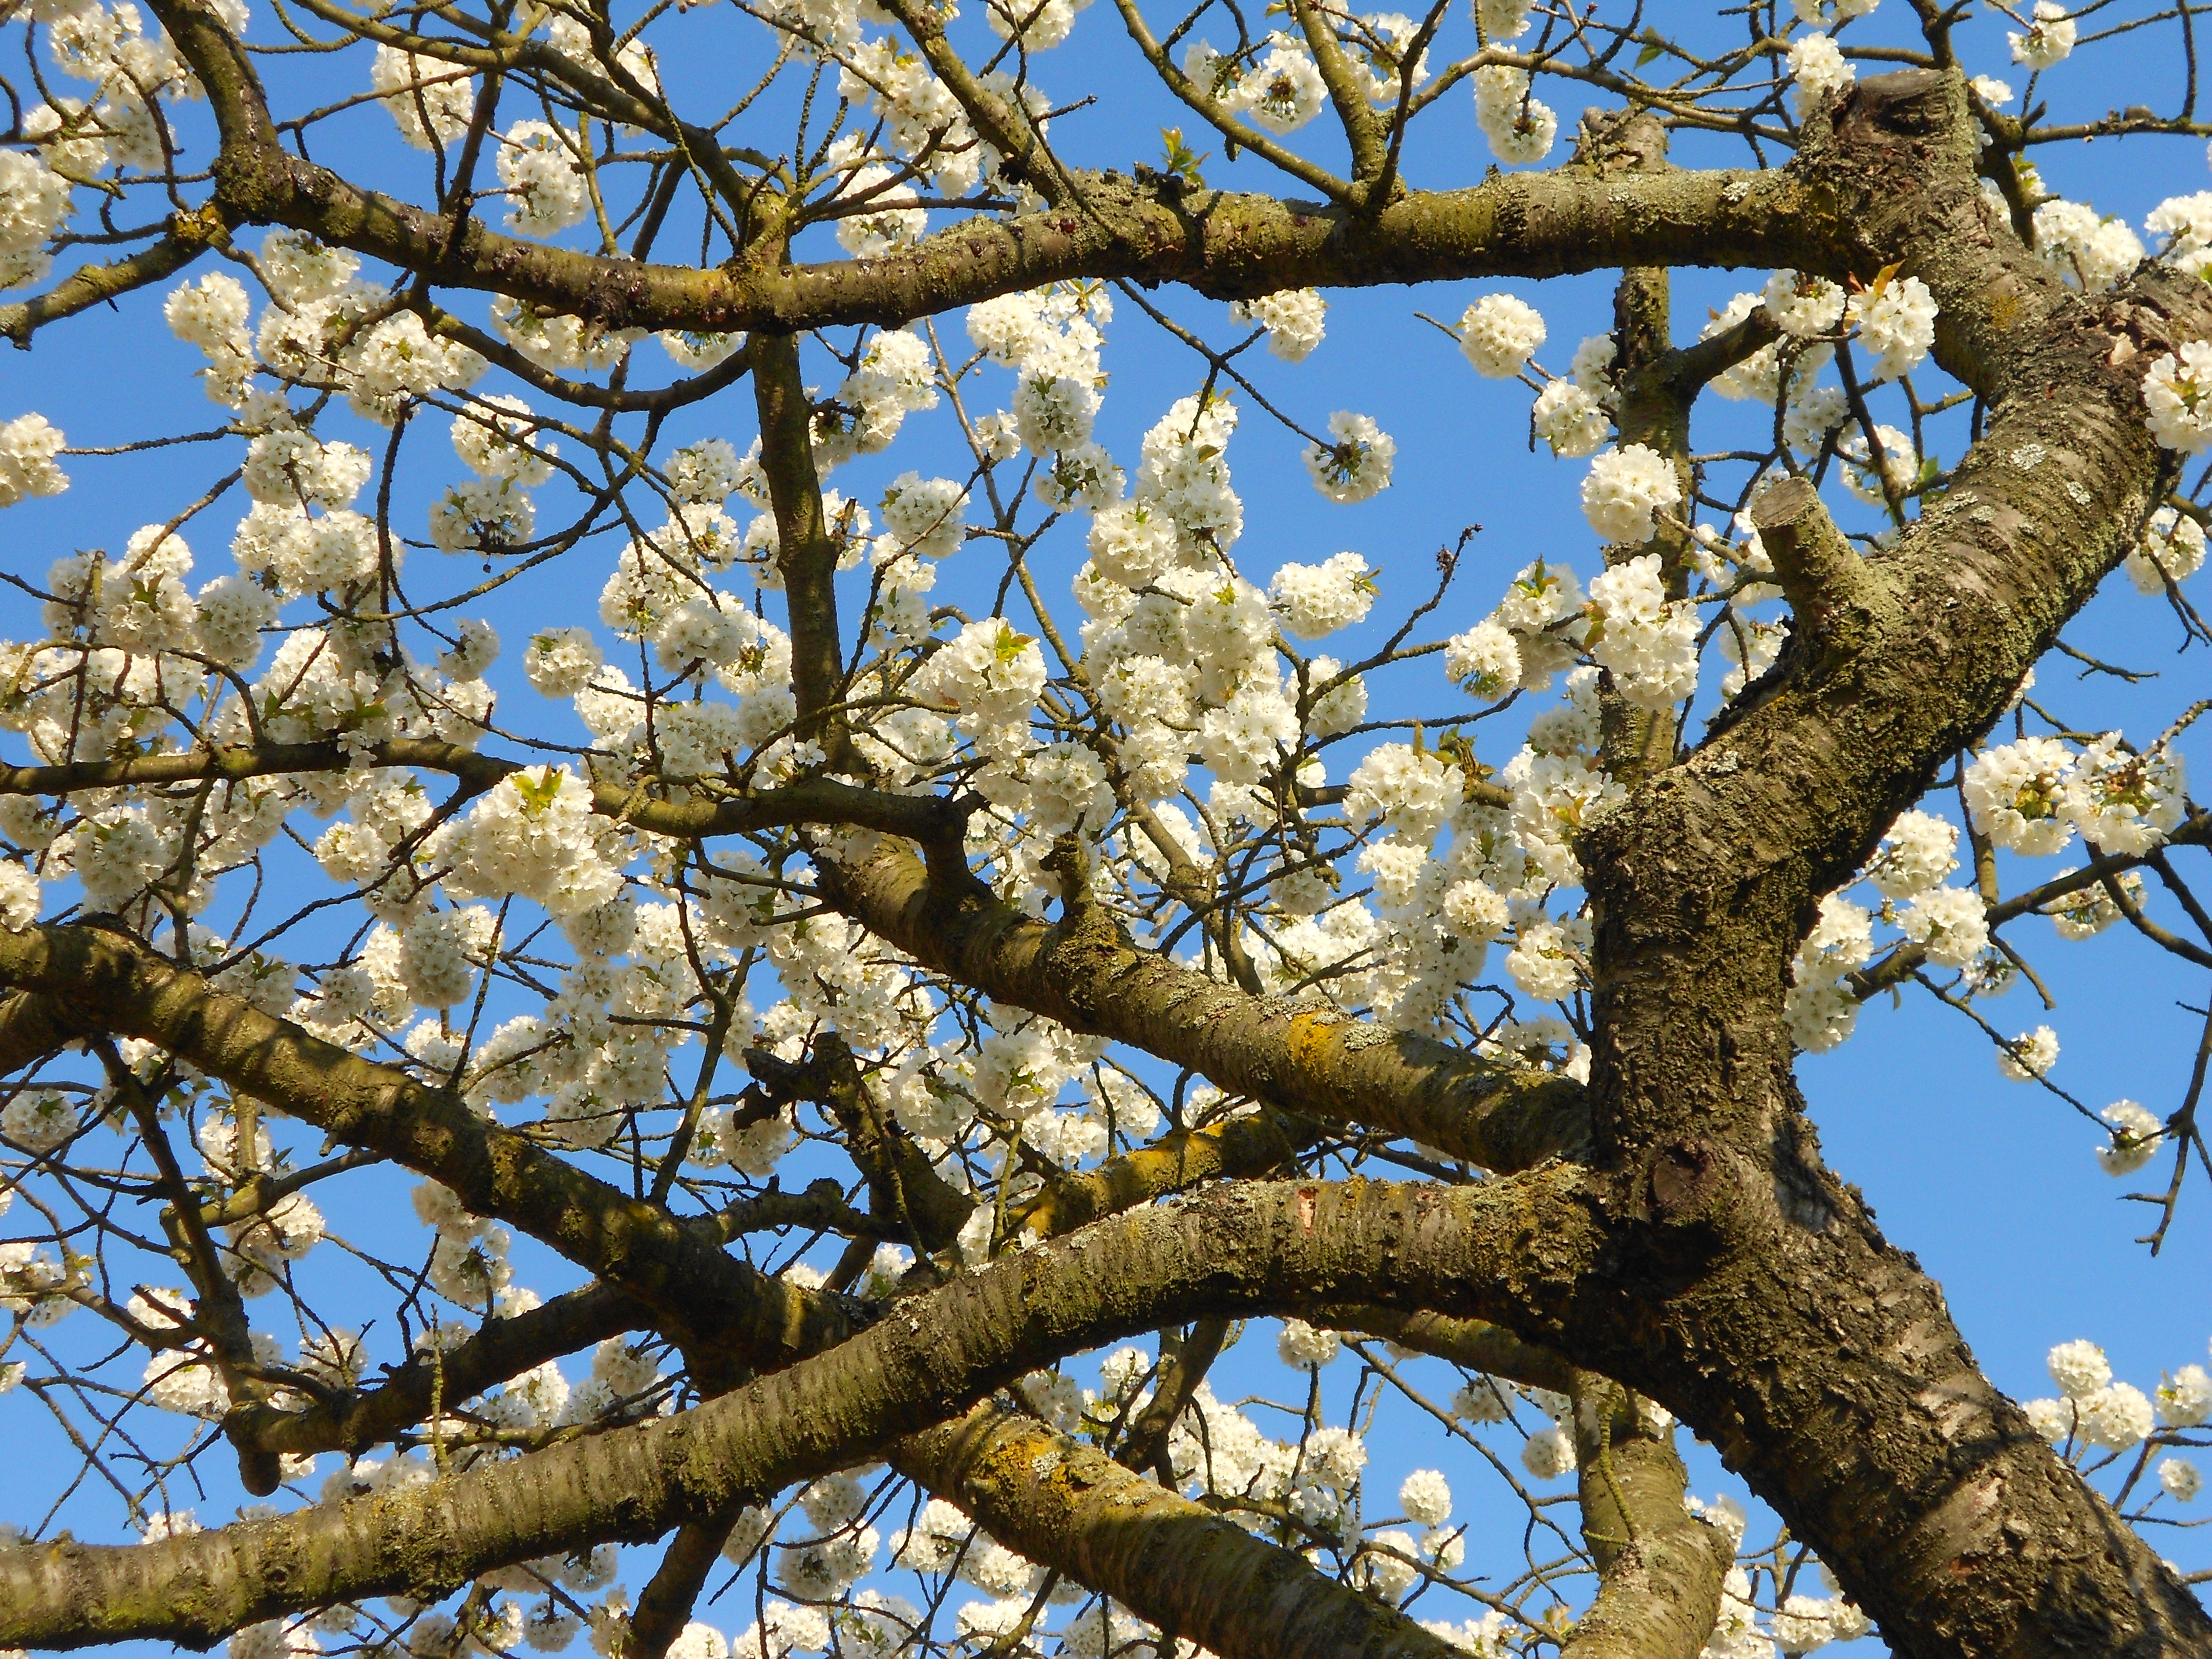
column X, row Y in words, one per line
column 1659, row 1569
column 1819, row 1359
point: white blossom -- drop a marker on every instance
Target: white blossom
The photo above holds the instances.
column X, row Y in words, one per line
column 1625, row 488
column 2047, row 41
column 1498, row 334
column 2177, row 393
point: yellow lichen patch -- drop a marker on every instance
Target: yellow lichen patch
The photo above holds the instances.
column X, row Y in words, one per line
column 1309, row 1039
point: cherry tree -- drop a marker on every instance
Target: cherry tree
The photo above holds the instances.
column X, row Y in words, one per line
column 909, row 990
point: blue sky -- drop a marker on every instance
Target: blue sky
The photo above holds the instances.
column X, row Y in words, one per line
column 1991, row 1182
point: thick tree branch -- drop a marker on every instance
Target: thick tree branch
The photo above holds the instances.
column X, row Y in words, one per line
column 700, row 1295
column 1239, row 1249
column 1252, row 1143
column 1197, row 1575
column 1303, row 1056
column 1875, row 1435
column 507, row 1346
column 498, row 1350
column 1473, row 1343
column 1224, row 244
column 1659, row 1568
column 1836, row 594
column 189, row 236
column 928, row 819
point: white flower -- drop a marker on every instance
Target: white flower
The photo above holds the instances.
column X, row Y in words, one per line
column 2177, row 393
column 35, row 200
column 561, row 661
column 1498, row 334
column 697, row 1641
column 1818, row 65
column 1315, row 600
column 2137, row 1134
column 1054, row 412
column 1381, row 1568
column 1804, row 307
column 2117, row 1417
column 536, row 832
column 2179, row 1479
column 1540, row 964
column 294, row 469
column 544, row 181
column 1356, row 464
column 1426, row 1496
column 1484, row 661
column 28, row 448
column 1648, row 643
column 1413, row 792
column 2079, row 1368
column 891, row 220
column 1519, row 128
column 922, row 516
column 497, row 438
column 1803, row 1623
column 2185, row 224
column 1896, row 321
column 19, row 898
column 1918, row 852
column 1284, row 90
column 211, row 313
column 2052, row 1419
column 1950, row 923
column 2125, row 802
column 1068, row 787
column 1549, row 1454
column 412, row 87
column 1570, row 420
column 1475, row 911
column 2017, row 795
column 1502, row 20
column 2171, row 550
column 989, row 675
column 1295, row 318
column 2185, row 1400
column 38, row 1119
column 2030, row 1054
column 2048, row 39
column 2095, row 252
column 1625, row 489
column 1302, row 1345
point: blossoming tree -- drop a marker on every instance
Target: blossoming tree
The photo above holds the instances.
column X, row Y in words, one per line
column 914, row 976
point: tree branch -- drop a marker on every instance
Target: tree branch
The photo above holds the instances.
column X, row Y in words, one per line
column 1239, row 1249
column 1659, row 1569
column 1226, row 244
column 701, row 1296
column 1302, row 1056
column 806, row 551
column 1837, row 595
column 1197, row 1575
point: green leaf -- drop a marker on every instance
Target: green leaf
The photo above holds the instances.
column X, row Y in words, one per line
column 1180, row 160
column 540, row 793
